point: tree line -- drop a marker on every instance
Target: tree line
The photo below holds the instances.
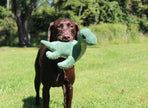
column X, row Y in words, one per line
column 26, row 19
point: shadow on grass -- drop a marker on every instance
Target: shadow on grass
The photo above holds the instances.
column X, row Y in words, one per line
column 30, row 103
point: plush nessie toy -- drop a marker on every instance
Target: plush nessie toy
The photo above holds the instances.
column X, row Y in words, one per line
column 72, row 51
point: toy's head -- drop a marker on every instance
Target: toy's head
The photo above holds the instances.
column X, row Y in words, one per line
column 87, row 37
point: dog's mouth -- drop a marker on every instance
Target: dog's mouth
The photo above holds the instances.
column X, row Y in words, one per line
column 65, row 40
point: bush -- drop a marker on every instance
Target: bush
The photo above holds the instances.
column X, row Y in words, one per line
column 69, row 15
column 111, row 12
column 102, row 11
column 117, row 33
column 8, row 28
column 143, row 25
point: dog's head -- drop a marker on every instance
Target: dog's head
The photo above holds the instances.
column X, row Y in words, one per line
column 63, row 30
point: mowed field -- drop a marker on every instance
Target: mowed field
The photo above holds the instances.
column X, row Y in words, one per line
column 111, row 76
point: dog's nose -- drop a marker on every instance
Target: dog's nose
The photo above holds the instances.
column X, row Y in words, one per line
column 66, row 38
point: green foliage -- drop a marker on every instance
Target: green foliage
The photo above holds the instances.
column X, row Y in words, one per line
column 40, row 21
column 143, row 25
column 84, row 12
column 118, row 33
column 111, row 12
column 45, row 15
column 93, row 12
column 73, row 5
column 8, row 28
column 139, row 7
column 69, row 15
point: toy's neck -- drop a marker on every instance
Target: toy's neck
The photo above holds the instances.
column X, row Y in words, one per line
column 81, row 48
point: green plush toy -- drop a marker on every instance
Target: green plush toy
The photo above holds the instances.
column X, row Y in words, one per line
column 72, row 51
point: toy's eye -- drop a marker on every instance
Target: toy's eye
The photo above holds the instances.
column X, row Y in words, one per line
column 83, row 37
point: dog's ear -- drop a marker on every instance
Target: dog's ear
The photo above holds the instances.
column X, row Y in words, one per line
column 50, row 31
column 77, row 31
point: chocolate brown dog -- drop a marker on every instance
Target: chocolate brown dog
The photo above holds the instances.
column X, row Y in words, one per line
column 47, row 71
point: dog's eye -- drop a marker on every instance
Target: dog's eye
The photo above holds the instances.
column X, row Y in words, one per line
column 58, row 26
column 83, row 37
column 70, row 25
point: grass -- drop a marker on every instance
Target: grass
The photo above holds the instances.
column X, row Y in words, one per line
column 113, row 76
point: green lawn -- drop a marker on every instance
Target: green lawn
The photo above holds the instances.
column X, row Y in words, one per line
column 112, row 76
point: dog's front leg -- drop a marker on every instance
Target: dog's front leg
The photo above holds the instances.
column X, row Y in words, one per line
column 46, row 96
column 68, row 94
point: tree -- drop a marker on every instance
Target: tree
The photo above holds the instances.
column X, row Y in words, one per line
column 22, row 10
column 7, row 4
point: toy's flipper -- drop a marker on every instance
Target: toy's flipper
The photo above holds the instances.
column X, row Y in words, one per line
column 52, row 55
column 69, row 62
column 46, row 43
